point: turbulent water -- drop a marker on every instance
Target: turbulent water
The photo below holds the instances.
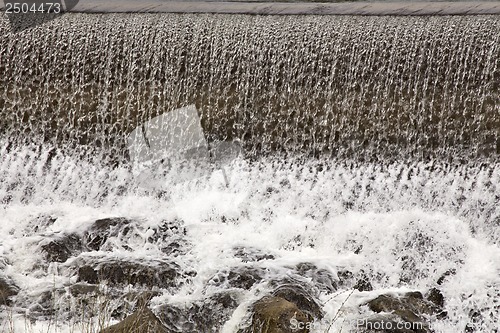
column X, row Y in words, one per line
column 371, row 145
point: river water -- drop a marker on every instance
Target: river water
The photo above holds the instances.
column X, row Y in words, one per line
column 370, row 144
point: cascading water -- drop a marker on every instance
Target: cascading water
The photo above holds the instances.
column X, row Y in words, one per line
column 371, row 147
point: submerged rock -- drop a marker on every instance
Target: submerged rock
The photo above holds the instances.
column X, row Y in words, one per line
column 436, row 296
column 154, row 274
column 88, row 274
column 292, row 306
column 170, row 237
column 409, row 306
column 238, row 277
column 244, row 279
column 7, row 290
column 141, row 321
column 299, row 296
column 61, row 249
column 102, row 229
column 83, row 289
column 273, row 314
column 46, row 303
column 207, row 315
column 409, row 309
column 360, row 281
column 321, row 278
column 247, row 254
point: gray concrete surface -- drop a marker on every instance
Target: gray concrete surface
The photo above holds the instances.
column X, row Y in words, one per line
column 289, row 8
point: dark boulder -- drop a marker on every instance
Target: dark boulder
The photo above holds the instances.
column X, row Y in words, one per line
column 409, row 306
column 7, row 290
column 298, row 295
column 410, row 309
column 170, row 237
column 214, row 311
column 238, row 277
column 154, row 274
column 101, row 230
column 141, row 321
column 435, row 296
column 62, row 248
column 83, row 289
column 363, row 284
column 321, row 278
column 244, row 279
column 88, row 274
column 360, row 281
column 207, row 315
column 42, row 306
column 249, row 254
column 446, row 275
column 273, row 314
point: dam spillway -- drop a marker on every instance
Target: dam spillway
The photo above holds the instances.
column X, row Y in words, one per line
column 370, row 149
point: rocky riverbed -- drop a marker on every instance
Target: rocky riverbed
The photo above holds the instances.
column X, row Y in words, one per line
column 99, row 277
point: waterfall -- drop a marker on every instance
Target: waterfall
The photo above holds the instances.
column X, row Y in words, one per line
column 370, row 149
column 368, row 88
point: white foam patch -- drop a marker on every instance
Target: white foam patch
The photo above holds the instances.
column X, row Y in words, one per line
column 403, row 232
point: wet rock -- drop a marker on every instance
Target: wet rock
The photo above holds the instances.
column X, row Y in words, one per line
column 446, row 274
column 170, row 237
column 176, row 319
column 80, row 289
column 321, row 278
column 61, row 249
column 359, row 282
column 298, row 295
column 479, row 318
column 345, row 278
column 174, row 248
column 133, row 299
column 238, row 277
column 141, row 321
column 273, row 314
column 207, row 315
column 156, row 274
column 435, row 296
column 167, row 230
column 214, row 311
column 7, row 290
column 43, row 305
column 244, row 279
column 363, row 284
column 474, row 323
column 102, row 229
column 88, row 274
column 410, row 308
column 247, row 254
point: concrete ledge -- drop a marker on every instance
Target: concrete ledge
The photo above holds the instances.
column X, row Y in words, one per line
column 284, row 8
